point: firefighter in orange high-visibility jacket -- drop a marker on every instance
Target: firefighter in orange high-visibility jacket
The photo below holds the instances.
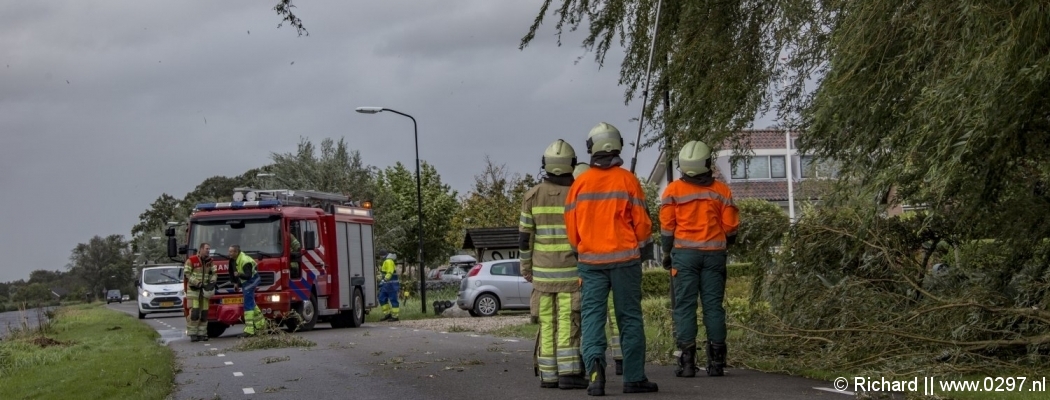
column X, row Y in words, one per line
column 548, row 262
column 697, row 221
column 608, row 226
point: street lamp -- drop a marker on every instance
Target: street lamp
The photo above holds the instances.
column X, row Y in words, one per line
column 419, row 198
column 260, row 175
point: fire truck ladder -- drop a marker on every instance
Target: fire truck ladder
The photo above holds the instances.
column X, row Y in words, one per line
column 302, row 198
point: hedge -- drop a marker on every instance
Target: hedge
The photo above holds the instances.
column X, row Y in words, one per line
column 655, row 281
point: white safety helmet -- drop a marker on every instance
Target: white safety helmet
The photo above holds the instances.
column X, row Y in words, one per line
column 604, row 137
column 391, row 256
column 580, row 168
column 559, row 158
column 695, row 158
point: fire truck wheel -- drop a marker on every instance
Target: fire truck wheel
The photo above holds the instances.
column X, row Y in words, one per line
column 215, row 329
column 356, row 317
column 308, row 311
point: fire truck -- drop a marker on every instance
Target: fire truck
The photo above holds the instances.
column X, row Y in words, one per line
column 336, row 276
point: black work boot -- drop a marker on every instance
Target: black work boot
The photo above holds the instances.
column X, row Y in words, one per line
column 597, row 379
column 387, row 317
column 204, row 338
column 640, row 387
column 567, row 382
column 195, row 338
column 716, row 358
column 686, row 361
column 619, row 367
column 549, row 385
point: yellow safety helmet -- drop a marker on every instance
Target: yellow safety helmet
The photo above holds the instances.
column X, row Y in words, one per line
column 695, row 158
column 559, row 158
column 580, row 169
column 604, row 137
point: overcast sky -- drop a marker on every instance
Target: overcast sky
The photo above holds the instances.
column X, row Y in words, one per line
column 103, row 103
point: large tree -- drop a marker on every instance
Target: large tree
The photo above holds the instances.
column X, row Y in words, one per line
column 102, row 262
column 439, row 208
column 948, row 102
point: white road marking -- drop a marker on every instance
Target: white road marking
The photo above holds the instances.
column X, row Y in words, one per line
column 475, row 335
column 846, row 392
column 229, row 363
column 222, row 355
column 248, row 391
column 238, row 374
column 510, row 340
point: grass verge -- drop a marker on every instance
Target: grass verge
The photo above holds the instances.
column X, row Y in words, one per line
column 411, row 308
column 89, row 352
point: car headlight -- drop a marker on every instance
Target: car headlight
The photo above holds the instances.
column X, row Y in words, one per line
column 146, row 293
column 182, row 294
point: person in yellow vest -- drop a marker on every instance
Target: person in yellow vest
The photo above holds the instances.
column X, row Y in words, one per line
column 244, row 273
column 200, row 277
column 548, row 262
column 389, row 289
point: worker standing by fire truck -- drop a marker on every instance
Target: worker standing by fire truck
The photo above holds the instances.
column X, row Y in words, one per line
column 201, row 278
column 389, row 288
column 245, row 274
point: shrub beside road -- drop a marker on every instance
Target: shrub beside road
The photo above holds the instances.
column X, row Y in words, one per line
column 88, row 352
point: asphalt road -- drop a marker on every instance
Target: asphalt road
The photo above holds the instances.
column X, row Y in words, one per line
column 385, row 361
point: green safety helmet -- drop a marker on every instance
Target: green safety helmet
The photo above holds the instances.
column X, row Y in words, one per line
column 580, row 168
column 695, row 158
column 604, row 137
column 559, row 158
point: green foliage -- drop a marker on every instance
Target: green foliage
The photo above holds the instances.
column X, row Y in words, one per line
column 656, row 283
column 102, row 263
column 494, row 201
column 439, row 208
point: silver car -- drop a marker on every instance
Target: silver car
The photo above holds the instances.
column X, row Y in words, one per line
column 492, row 286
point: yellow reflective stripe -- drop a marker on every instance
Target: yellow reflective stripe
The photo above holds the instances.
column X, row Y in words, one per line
column 526, row 220
column 548, row 210
column 552, row 247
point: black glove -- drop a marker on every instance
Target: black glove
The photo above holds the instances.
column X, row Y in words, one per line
column 647, row 252
column 667, row 262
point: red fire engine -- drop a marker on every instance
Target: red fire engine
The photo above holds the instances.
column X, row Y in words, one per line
column 336, row 276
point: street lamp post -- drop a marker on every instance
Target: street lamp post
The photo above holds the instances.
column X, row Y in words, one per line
column 261, row 175
column 419, row 198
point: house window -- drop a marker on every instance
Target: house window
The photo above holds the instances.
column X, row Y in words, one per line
column 756, row 168
column 812, row 168
column 777, row 169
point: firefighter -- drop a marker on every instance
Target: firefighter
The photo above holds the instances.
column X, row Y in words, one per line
column 608, row 226
column 389, row 289
column 613, row 330
column 244, row 273
column 200, row 278
column 548, row 262
column 295, row 247
column 697, row 221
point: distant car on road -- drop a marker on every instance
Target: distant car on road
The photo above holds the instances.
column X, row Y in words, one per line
column 459, row 266
column 125, row 297
column 114, row 295
column 493, row 286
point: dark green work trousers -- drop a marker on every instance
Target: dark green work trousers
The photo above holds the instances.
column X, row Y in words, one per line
column 703, row 273
column 626, row 283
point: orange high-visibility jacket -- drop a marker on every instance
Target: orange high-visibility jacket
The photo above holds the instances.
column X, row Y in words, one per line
column 697, row 217
column 605, row 217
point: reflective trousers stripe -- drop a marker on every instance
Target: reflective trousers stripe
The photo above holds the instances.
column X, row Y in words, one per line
column 614, row 331
column 559, row 350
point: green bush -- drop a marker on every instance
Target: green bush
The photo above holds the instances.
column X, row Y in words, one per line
column 655, row 281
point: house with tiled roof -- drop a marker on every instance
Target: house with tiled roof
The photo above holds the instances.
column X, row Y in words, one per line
column 762, row 173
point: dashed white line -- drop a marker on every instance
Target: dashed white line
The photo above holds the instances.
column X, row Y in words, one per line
column 222, row 355
column 238, row 374
column 229, row 363
column 248, row 391
column 475, row 335
column 845, row 392
column 510, row 340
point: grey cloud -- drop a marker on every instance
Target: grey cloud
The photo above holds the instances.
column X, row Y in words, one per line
column 87, row 157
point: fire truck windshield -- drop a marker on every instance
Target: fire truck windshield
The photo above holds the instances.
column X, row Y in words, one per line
column 257, row 236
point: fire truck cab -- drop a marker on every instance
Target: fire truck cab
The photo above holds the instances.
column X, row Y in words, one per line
column 332, row 278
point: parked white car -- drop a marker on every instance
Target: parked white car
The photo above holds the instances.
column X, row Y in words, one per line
column 493, row 286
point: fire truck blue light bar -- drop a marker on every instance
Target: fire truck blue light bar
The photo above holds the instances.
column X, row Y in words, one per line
column 237, row 205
